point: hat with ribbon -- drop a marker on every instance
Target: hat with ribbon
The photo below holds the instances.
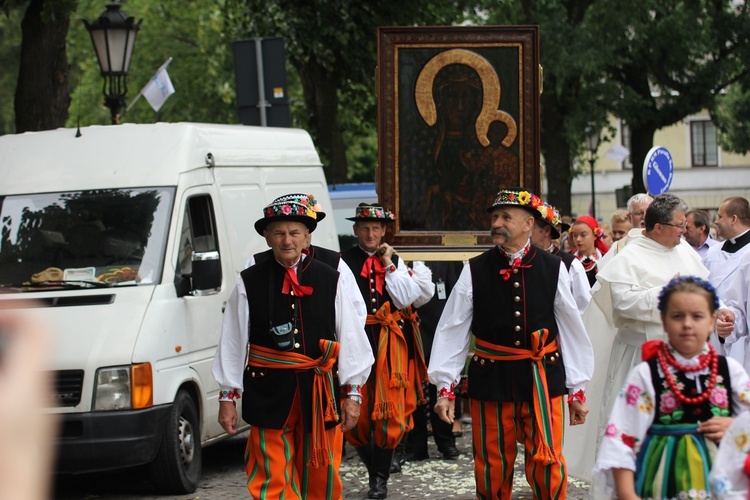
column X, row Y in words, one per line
column 295, row 207
column 550, row 216
column 519, row 197
column 366, row 212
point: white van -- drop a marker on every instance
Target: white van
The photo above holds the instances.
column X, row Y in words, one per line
column 130, row 238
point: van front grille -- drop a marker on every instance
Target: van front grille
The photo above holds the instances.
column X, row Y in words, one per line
column 68, row 386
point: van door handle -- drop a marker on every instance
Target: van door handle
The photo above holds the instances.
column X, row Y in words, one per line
column 223, row 307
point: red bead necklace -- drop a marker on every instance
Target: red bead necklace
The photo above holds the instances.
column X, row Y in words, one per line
column 666, row 358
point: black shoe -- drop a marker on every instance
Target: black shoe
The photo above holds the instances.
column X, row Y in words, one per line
column 379, row 489
column 381, row 464
column 412, row 456
column 399, row 456
column 450, row 452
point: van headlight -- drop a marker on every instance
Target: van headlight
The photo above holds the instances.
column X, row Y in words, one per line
column 124, row 387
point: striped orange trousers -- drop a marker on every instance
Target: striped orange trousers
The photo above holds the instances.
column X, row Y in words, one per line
column 275, row 462
column 496, row 429
column 384, row 433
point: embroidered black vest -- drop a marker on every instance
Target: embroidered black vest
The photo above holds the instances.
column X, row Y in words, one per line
column 268, row 393
column 669, row 410
column 505, row 313
column 355, row 258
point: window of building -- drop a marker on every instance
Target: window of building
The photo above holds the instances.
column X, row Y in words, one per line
column 705, row 152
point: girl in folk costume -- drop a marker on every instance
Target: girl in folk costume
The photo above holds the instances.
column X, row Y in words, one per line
column 590, row 246
column 731, row 468
column 653, row 445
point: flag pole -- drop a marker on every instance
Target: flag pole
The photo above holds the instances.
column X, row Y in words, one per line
column 140, row 93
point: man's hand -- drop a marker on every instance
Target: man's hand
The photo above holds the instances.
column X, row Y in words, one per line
column 446, row 410
column 578, row 412
column 228, row 417
column 385, row 252
column 715, row 427
column 725, row 323
column 349, row 414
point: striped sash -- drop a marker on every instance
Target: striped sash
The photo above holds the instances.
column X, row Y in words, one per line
column 323, row 389
column 391, row 346
column 420, row 365
column 542, row 415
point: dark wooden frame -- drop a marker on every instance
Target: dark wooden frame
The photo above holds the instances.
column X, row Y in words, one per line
column 511, row 53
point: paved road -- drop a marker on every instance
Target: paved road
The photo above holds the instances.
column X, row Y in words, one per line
column 224, row 478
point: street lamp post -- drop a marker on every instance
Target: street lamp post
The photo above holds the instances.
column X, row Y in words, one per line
column 592, row 141
column 113, row 36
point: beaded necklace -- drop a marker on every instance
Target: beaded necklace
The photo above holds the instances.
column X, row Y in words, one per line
column 666, row 359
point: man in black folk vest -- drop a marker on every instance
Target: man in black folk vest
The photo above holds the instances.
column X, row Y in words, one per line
column 288, row 330
column 386, row 287
column 531, row 351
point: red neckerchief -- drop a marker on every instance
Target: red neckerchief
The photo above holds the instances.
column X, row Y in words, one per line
column 370, row 262
column 516, row 264
column 291, row 283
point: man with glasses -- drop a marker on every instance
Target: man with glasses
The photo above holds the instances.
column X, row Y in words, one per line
column 630, row 285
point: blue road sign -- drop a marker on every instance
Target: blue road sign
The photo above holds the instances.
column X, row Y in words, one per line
column 658, row 170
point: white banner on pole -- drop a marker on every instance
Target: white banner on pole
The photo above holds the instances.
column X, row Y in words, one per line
column 159, row 88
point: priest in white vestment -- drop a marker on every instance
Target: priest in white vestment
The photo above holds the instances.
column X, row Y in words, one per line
column 626, row 293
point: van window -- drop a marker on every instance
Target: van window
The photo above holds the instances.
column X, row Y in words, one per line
column 111, row 236
column 198, row 231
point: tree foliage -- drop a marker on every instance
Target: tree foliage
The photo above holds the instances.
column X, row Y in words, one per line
column 332, row 46
column 733, row 118
column 668, row 59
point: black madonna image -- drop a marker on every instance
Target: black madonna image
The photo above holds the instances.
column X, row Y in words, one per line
column 459, row 119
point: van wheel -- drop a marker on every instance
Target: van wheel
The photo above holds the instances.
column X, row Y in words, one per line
column 177, row 467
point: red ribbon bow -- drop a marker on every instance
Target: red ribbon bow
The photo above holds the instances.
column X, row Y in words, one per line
column 373, row 261
column 290, row 282
column 505, row 273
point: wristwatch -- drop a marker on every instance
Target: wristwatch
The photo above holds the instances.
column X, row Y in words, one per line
column 355, row 397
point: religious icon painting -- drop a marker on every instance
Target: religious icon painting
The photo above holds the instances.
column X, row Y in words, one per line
column 458, row 112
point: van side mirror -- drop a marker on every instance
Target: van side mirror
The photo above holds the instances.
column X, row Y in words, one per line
column 206, row 272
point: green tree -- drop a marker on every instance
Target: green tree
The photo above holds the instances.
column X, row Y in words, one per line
column 332, row 45
column 41, row 92
column 573, row 96
column 732, row 115
column 668, row 59
column 193, row 32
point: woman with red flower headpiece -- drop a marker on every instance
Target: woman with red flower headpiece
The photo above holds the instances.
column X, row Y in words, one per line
column 661, row 437
column 590, row 246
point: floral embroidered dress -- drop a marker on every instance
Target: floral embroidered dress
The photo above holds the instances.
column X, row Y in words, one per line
column 652, row 432
column 729, row 474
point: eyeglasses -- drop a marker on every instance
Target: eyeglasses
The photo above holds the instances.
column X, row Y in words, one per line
column 639, row 213
column 682, row 226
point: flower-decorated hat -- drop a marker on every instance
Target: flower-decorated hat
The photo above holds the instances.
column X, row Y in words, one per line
column 551, row 216
column 291, row 207
column 519, row 197
column 371, row 213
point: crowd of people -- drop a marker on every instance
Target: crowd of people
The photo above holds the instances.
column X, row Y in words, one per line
column 612, row 351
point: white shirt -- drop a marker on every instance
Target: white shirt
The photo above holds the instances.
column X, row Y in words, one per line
column 422, row 276
column 727, row 479
column 355, row 357
column 400, row 286
column 452, row 336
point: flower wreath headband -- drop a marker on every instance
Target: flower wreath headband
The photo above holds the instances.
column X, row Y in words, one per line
column 670, row 287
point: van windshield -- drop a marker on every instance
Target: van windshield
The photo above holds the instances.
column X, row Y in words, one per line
column 103, row 237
